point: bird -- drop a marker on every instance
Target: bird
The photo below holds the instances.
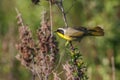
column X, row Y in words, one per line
column 78, row 33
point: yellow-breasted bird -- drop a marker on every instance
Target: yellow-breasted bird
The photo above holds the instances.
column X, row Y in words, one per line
column 77, row 33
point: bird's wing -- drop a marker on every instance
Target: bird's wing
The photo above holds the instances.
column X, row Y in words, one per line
column 74, row 32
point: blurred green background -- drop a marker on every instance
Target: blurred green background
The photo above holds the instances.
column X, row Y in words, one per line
column 97, row 51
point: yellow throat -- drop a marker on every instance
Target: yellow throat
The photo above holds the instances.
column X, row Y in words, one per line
column 65, row 37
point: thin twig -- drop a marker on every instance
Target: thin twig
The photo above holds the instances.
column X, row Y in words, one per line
column 19, row 17
column 60, row 6
column 51, row 24
column 70, row 7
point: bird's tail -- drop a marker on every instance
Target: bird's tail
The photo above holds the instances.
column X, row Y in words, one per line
column 97, row 31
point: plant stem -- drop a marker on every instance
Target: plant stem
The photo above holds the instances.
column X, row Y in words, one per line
column 60, row 6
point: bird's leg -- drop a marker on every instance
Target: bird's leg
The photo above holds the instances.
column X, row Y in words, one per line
column 71, row 46
column 67, row 42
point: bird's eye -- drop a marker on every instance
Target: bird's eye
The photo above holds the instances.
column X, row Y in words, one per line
column 60, row 31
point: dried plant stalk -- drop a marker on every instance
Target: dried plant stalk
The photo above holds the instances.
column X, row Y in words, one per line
column 56, row 76
column 48, row 48
column 40, row 57
column 26, row 47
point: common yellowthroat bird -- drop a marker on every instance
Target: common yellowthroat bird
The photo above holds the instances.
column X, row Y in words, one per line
column 76, row 34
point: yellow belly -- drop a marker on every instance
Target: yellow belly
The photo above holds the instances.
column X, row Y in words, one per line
column 65, row 37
